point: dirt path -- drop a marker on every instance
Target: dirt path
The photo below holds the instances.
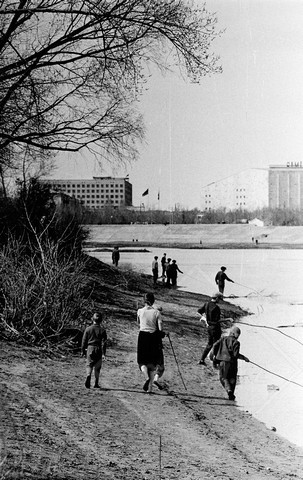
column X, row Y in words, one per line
column 54, row 428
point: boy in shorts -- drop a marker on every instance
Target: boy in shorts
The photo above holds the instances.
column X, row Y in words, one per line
column 94, row 347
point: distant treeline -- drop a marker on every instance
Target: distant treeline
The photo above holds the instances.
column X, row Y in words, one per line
column 109, row 215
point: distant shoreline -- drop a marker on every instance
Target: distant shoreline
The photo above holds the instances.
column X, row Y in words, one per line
column 143, row 246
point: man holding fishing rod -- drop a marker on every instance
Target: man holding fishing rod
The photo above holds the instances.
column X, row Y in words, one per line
column 220, row 279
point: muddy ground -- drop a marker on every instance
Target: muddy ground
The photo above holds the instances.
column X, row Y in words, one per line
column 52, row 427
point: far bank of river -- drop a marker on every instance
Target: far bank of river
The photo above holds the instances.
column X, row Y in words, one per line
column 267, row 284
column 196, row 236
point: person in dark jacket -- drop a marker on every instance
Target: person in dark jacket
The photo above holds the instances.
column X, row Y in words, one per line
column 94, row 346
column 174, row 269
column 116, row 256
column 155, row 270
column 220, row 279
column 163, row 265
column 226, row 351
column 168, row 273
column 212, row 312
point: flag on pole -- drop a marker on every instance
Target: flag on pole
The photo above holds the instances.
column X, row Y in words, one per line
column 145, row 193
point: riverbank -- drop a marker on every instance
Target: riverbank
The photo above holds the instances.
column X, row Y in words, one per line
column 54, row 428
column 197, row 236
column 142, row 246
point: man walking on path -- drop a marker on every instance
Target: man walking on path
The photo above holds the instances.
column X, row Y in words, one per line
column 213, row 313
column 227, row 352
column 220, row 279
column 155, row 270
column 94, row 343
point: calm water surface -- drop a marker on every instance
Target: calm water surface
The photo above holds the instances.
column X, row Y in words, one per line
column 269, row 285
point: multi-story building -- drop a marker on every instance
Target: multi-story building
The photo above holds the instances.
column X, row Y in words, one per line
column 98, row 192
column 285, row 186
column 247, row 190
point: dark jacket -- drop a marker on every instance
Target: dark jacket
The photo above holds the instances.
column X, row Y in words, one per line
column 213, row 313
column 221, row 277
column 96, row 336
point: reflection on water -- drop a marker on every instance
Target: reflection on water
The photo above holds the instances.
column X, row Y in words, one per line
column 268, row 284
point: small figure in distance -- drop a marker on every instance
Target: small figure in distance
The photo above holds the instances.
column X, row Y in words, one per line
column 155, row 270
column 116, row 256
column 168, row 273
column 226, row 351
column 174, row 269
column 212, row 312
column 94, row 344
column 163, row 265
column 220, row 279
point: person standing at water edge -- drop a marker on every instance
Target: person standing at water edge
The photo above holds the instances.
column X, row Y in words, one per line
column 174, row 269
column 168, row 273
column 227, row 352
column 94, row 344
column 148, row 346
column 155, row 269
column 220, row 279
column 213, row 313
column 163, row 265
column 116, row 256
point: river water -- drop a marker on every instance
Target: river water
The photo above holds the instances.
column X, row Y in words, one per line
column 268, row 284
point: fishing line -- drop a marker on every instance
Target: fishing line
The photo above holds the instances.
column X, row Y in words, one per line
column 276, row 374
column 271, row 328
column 249, row 288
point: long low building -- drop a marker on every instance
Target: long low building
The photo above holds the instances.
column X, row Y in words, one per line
column 95, row 193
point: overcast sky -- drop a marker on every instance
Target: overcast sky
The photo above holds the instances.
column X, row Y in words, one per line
column 251, row 115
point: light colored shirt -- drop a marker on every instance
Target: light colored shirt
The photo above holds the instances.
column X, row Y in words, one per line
column 155, row 265
column 149, row 319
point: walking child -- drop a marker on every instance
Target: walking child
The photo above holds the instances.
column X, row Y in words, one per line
column 226, row 351
column 94, row 347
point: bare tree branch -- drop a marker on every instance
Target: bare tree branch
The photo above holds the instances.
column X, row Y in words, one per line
column 71, row 70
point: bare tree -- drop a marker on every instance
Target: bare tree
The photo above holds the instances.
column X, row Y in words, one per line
column 71, row 71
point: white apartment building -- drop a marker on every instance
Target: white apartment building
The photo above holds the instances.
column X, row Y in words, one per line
column 95, row 193
column 247, row 190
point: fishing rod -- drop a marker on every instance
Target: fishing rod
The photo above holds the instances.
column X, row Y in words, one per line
column 249, row 288
column 176, row 360
column 276, row 374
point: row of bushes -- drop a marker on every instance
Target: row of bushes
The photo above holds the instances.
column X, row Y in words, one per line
column 44, row 286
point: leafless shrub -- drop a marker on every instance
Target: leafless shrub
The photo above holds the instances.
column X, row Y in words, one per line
column 42, row 295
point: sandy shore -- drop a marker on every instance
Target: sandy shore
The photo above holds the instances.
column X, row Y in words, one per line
column 52, row 427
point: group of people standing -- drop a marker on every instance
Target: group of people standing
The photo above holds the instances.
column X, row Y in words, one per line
column 224, row 350
column 169, row 273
